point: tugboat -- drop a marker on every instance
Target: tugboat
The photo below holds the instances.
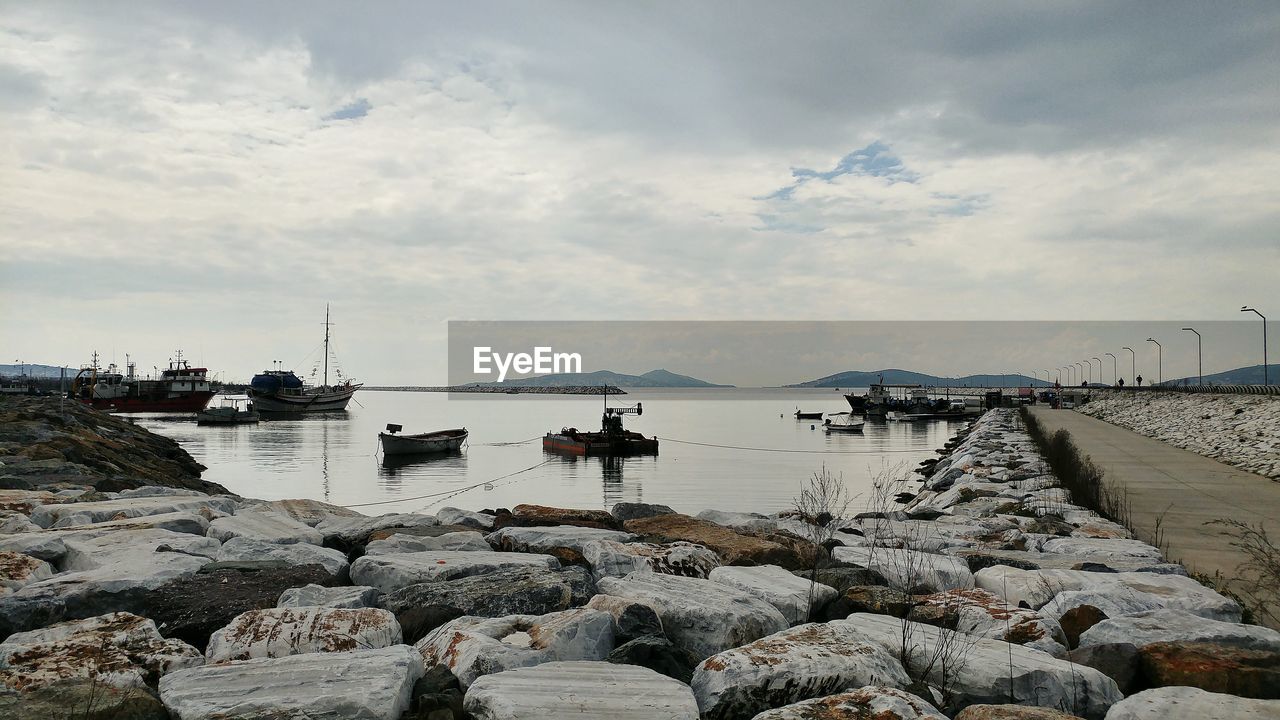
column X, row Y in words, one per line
column 181, row 388
column 612, row 440
column 282, row 392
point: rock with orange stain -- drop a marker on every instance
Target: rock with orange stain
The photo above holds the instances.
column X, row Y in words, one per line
column 878, row 702
column 280, row 632
column 471, row 646
column 808, row 661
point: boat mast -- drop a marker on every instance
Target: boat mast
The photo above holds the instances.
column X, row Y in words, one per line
column 326, row 345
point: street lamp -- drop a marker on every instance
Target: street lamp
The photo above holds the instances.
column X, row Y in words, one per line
column 1099, row 368
column 1159, row 359
column 1133, row 364
column 1266, row 380
column 1114, row 375
column 1199, row 354
column 1088, row 368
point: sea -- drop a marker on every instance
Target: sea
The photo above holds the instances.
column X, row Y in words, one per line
column 738, row 449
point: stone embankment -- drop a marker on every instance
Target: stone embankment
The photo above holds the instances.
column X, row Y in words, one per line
column 1240, row 430
column 987, row 594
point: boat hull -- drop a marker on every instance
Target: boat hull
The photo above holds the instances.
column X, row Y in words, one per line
column 207, row 417
column 596, row 444
column 192, row 402
column 278, row 403
column 427, row 444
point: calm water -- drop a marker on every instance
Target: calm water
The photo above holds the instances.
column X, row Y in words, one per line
column 335, row 457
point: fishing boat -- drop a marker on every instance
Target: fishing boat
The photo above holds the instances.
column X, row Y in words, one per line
column 612, row 440
column 230, row 411
column 180, row 388
column 280, row 391
column 802, row 415
column 440, row 441
column 843, row 422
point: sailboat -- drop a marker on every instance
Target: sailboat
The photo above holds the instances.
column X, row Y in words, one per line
column 282, row 392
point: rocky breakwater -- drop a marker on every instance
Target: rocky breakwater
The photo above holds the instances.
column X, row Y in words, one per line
column 988, row 593
column 1240, row 430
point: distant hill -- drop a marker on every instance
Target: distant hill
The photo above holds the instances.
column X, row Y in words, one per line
column 893, row 376
column 1251, row 375
column 651, row 379
column 35, row 370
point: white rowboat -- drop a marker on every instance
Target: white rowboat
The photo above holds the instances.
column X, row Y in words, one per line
column 441, row 441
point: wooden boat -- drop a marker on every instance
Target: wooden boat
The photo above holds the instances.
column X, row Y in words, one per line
column 801, row 415
column 231, row 411
column 280, row 392
column 843, row 422
column 440, row 441
column 612, row 440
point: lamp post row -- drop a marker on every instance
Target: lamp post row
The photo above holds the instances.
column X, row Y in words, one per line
column 1073, row 371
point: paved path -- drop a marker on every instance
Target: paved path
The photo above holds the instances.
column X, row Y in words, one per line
column 1189, row 489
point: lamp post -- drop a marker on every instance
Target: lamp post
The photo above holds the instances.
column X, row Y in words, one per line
column 1266, row 380
column 1133, row 364
column 1089, row 375
column 1099, row 368
column 1114, row 375
column 1159, row 359
column 1199, row 354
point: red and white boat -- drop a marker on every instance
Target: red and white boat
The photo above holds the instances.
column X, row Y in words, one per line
column 180, row 388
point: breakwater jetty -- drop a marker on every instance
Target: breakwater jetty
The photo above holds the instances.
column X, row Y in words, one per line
column 989, row 587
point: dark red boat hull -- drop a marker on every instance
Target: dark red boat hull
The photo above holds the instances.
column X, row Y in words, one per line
column 193, row 402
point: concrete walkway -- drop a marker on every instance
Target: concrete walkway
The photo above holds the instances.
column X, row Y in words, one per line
column 1189, row 489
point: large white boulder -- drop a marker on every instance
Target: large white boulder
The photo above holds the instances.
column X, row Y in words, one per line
column 18, row 570
column 466, row 518
column 1179, row 626
column 472, row 646
column 85, row 513
column 119, row 650
column 881, row 703
column 981, row 613
column 803, row 662
column 981, row 671
column 910, row 570
column 545, row 539
column 740, row 520
column 280, row 632
column 89, row 549
column 245, row 548
column 1167, row 703
column 183, row 522
column 352, row 530
column 794, row 596
column 366, row 684
column 1037, row 587
column 392, row 572
column 264, row 526
column 1102, row 548
column 348, row 596
column 45, row 546
column 557, row 690
column 402, row 543
column 702, row 616
column 609, row 558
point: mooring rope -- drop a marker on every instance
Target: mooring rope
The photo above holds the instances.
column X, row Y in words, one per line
column 787, row 450
column 448, row 493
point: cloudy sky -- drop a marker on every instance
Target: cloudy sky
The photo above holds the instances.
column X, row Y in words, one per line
column 209, row 175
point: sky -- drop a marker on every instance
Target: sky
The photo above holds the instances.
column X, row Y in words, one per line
column 208, row 176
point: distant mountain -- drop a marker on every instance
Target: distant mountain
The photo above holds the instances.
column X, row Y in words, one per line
column 1251, row 375
column 651, row 379
column 893, row 376
column 35, row 370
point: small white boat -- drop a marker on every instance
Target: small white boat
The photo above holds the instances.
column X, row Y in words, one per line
column 907, row 417
column 843, row 422
column 440, row 441
column 231, row 411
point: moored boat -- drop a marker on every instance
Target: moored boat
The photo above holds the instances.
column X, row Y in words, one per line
column 180, row 388
column 612, row 440
column 231, row 411
column 802, row 415
column 281, row 392
column 440, row 441
column 843, row 422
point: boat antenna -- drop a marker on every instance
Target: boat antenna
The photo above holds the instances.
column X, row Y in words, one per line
column 326, row 344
